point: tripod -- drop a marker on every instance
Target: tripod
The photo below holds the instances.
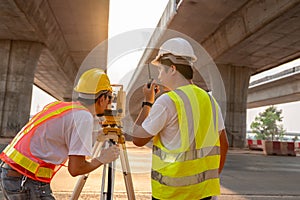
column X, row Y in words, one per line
column 112, row 133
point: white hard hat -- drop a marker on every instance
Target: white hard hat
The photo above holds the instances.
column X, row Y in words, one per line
column 177, row 47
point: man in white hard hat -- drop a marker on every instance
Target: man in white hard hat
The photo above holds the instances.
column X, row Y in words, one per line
column 189, row 138
column 61, row 131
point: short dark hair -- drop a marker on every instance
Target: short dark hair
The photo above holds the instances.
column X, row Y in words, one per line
column 89, row 102
column 185, row 70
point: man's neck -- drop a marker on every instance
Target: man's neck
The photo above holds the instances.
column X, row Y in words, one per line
column 91, row 108
column 180, row 82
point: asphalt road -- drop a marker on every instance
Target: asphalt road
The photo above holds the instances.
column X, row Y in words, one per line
column 247, row 175
column 253, row 175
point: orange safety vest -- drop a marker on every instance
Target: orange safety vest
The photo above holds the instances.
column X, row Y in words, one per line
column 18, row 155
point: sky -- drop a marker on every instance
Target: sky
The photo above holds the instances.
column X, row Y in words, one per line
column 138, row 14
column 146, row 14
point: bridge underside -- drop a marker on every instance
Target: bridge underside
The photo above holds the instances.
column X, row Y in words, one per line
column 243, row 38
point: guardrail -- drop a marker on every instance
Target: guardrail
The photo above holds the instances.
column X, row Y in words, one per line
column 275, row 76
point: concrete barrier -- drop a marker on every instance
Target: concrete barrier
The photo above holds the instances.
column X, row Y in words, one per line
column 297, row 148
column 287, row 148
column 279, row 148
column 255, row 144
column 291, row 149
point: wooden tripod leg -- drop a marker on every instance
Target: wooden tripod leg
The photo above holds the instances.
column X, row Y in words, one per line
column 110, row 180
column 108, row 177
column 103, row 193
column 82, row 179
column 79, row 186
column 127, row 173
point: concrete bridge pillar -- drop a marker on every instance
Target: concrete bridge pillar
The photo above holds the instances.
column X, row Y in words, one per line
column 18, row 60
column 236, row 82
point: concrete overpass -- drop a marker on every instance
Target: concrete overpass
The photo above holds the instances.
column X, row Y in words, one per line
column 243, row 38
column 279, row 88
column 44, row 42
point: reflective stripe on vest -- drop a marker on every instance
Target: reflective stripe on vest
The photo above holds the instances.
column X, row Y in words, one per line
column 187, row 155
column 28, row 164
column 184, row 181
column 191, row 171
column 35, row 167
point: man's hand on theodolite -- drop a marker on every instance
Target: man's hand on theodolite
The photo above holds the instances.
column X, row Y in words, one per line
column 110, row 154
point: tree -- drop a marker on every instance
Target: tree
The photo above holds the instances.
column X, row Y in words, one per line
column 267, row 125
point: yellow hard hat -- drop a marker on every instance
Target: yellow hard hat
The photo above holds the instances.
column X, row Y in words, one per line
column 92, row 82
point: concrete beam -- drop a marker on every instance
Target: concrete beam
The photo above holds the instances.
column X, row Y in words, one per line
column 283, row 90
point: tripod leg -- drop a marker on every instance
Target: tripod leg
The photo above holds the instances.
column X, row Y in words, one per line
column 127, row 173
column 79, row 186
column 110, row 181
column 103, row 193
column 82, row 179
column 108, row 177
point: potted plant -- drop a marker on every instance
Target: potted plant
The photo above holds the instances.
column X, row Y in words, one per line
column 267, row 127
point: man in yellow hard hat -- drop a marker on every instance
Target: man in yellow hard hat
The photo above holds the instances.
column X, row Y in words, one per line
column 61, row 131
column 189, row 138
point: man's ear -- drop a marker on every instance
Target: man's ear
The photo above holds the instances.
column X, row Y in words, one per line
column 173, row 68
column 100, row 99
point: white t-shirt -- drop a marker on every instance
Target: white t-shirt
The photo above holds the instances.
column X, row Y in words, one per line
column 163, row 119
column 71, row 134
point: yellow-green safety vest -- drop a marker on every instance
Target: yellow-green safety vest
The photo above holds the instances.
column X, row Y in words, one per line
column 190, row 171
